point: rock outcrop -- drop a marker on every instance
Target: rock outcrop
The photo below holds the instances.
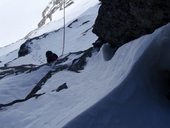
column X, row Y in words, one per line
column 52, row 7
column 120, row 21
column 24, row 50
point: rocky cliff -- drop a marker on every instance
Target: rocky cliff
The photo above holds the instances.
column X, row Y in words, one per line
column 51, row 8
column 120, row 21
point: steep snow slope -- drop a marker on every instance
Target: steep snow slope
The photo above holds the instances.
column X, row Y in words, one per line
column 125, row 91
column 16, row 86
column 82, row 12
column 73, row 11
column 141, row 99
column 9, row 48
column 78, row 37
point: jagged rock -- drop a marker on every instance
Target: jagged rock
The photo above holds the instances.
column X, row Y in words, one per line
column 98, row 43
column 70, row 25
column 120, row 21
column 61, row 87
column 39, row 85
column 24, row 49
column 52, row 7
column 5, row 71
column 78, row 64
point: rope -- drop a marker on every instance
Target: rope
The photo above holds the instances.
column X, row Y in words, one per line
column 64, row 28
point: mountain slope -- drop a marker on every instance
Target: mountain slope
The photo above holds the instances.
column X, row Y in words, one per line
column 118, row 92
column 49, row 37
column 86, row 87
column 141, row 99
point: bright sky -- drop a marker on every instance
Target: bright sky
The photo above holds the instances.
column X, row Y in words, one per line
column 19, row 17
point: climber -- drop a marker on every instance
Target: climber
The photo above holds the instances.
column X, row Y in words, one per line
column 51, row 57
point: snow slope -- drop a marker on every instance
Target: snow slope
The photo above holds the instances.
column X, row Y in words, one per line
column 129, row 90
column 126, row 89
column 16, row 86
column 80, row 18
column 140, row 100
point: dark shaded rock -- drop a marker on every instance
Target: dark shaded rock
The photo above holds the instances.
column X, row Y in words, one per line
column 78, row 64
column 98, row 43
column 120, row 21
column 24, row 50
column 61, row 87
column 19, row 101
column 70, row 25
column 86, row 31
column 39, row 85
column 5, row 71
column 85, row 22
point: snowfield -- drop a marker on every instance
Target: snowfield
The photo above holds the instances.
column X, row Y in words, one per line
column 93, row 88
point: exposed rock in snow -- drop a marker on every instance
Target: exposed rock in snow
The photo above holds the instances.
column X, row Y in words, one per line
column 61, row 87
column 101, row 87
column 65, row 63
column 53, row 6
column 128, row 90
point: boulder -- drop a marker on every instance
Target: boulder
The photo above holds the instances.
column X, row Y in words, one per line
column 120, row 21
column 24, row 49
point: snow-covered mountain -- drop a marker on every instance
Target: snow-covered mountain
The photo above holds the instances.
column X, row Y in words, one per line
column 80, row 18
column 129, row 89
column 51, row 8
column 88, row 87
column 19, row 17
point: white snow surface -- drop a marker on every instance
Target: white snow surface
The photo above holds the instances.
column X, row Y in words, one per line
column 139, row 99
column 127, row 89
column 15, row 87
column 122, row 92
column 78, row 35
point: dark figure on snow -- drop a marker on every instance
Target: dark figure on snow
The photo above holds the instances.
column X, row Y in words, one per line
column 51, row 57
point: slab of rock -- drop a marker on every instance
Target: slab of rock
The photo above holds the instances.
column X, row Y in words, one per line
column 120, row 21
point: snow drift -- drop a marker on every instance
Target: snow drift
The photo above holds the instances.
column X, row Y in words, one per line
column 141, row 98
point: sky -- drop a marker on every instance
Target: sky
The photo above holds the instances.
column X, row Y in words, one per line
column 18, row 18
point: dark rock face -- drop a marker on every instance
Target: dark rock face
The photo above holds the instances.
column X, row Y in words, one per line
column 24, row 49
column 61, row 87
column 78, row 64
column 120, row 21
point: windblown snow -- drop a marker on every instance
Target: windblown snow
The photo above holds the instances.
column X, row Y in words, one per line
column 128, row 88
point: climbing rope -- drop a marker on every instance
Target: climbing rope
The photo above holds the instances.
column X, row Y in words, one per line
column 64, row 28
